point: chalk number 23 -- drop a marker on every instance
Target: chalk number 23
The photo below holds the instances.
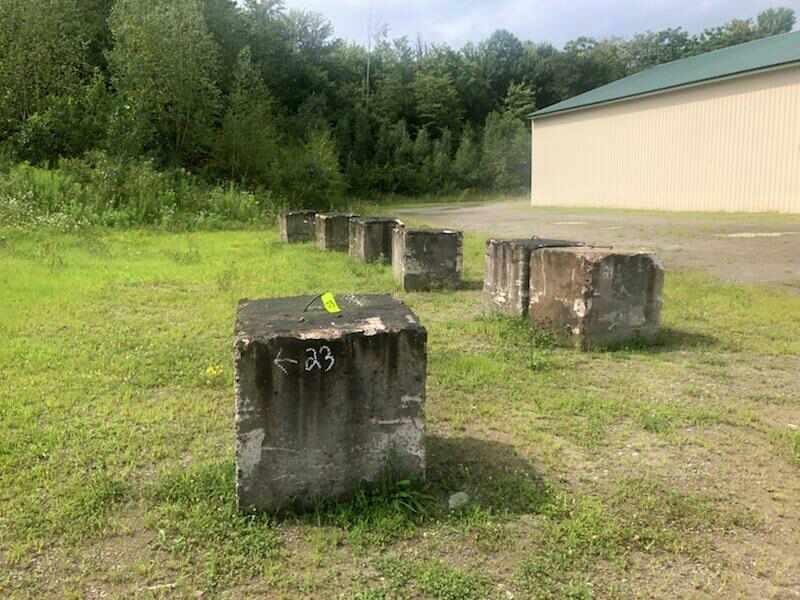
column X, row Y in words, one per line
column 315, row 360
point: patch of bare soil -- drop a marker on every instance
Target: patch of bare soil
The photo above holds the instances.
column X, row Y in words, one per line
column 756, row 554
column 114, row 566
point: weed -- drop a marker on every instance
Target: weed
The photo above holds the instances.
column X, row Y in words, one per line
column 189, row 256
column 226, row 279
column 52, row 254
column 215, row 376
column 371, row 594
column 195, row 515
column 433, row 579
column 520, row 342
column 443, row 582
column 94, row 245
column 379, row 513
column 787, row 442
column 490, row 535
column 656, row 419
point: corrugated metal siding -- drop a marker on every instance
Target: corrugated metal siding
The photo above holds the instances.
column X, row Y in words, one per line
column 727, row 146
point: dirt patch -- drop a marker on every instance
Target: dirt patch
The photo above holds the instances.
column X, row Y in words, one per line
column 760, row 248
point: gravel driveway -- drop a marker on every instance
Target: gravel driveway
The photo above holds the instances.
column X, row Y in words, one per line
column 759, row 248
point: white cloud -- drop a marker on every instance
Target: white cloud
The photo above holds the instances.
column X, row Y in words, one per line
column 456, row 22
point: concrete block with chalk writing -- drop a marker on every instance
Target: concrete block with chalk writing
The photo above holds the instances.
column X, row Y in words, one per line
column 326, row 400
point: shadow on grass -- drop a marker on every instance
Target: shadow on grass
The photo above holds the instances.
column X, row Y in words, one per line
column 498, row 480
column 199, row 504
column 193, row 512
column 494, row 474
column 669, row 339
column 471, row 285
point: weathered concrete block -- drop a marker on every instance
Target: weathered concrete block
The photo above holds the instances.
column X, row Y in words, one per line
column 595, row 297
column 333, row 231
column 371, row 239
column 325, row 402
column 506, row 286
column 298, row 226
column 425, row 259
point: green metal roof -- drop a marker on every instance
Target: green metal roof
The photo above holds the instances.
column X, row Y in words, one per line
column 736, row 60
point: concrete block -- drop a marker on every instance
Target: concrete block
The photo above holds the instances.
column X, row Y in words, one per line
column 506, row 286
column 298, row 226
column 333, row 231
column 371, row 239
column 596, row 297
column 426, row 259
column 325, row 402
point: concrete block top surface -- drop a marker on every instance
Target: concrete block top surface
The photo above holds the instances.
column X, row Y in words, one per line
column 428, row 231
column 378, row 220
column 299, row 213
column 536, row 243
column 324, row 216
column 595, row 254
column 303, row 317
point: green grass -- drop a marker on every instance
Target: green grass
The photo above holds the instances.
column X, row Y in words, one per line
column 433, row 579
column 116, row 443
column 639, row 515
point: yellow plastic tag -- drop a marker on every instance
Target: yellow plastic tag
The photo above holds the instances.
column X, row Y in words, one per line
column 329, row 302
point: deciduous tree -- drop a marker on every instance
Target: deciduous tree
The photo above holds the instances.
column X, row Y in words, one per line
column 164, row 66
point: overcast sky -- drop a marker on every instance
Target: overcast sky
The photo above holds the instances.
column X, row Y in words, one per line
column 458, row 21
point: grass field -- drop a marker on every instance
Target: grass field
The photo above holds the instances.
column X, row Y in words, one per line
column 671, row 471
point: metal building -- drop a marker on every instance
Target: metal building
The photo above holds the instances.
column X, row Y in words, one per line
column 714, row 132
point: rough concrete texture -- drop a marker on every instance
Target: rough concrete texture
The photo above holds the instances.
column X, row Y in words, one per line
column 326, row 402
column 298, row 226
column 594, row 298
column 426, row 259
column 371, row 239
column 333, row 231
column 506, row 286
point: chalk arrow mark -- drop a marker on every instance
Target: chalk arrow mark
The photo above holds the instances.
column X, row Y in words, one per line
column 279, row 362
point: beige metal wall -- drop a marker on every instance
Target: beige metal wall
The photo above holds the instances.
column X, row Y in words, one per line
column 732, row 145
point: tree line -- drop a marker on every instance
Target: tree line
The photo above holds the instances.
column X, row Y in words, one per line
column 269, row 98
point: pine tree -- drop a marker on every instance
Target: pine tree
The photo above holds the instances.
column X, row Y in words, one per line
column 246, row 148
column 467, row 161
